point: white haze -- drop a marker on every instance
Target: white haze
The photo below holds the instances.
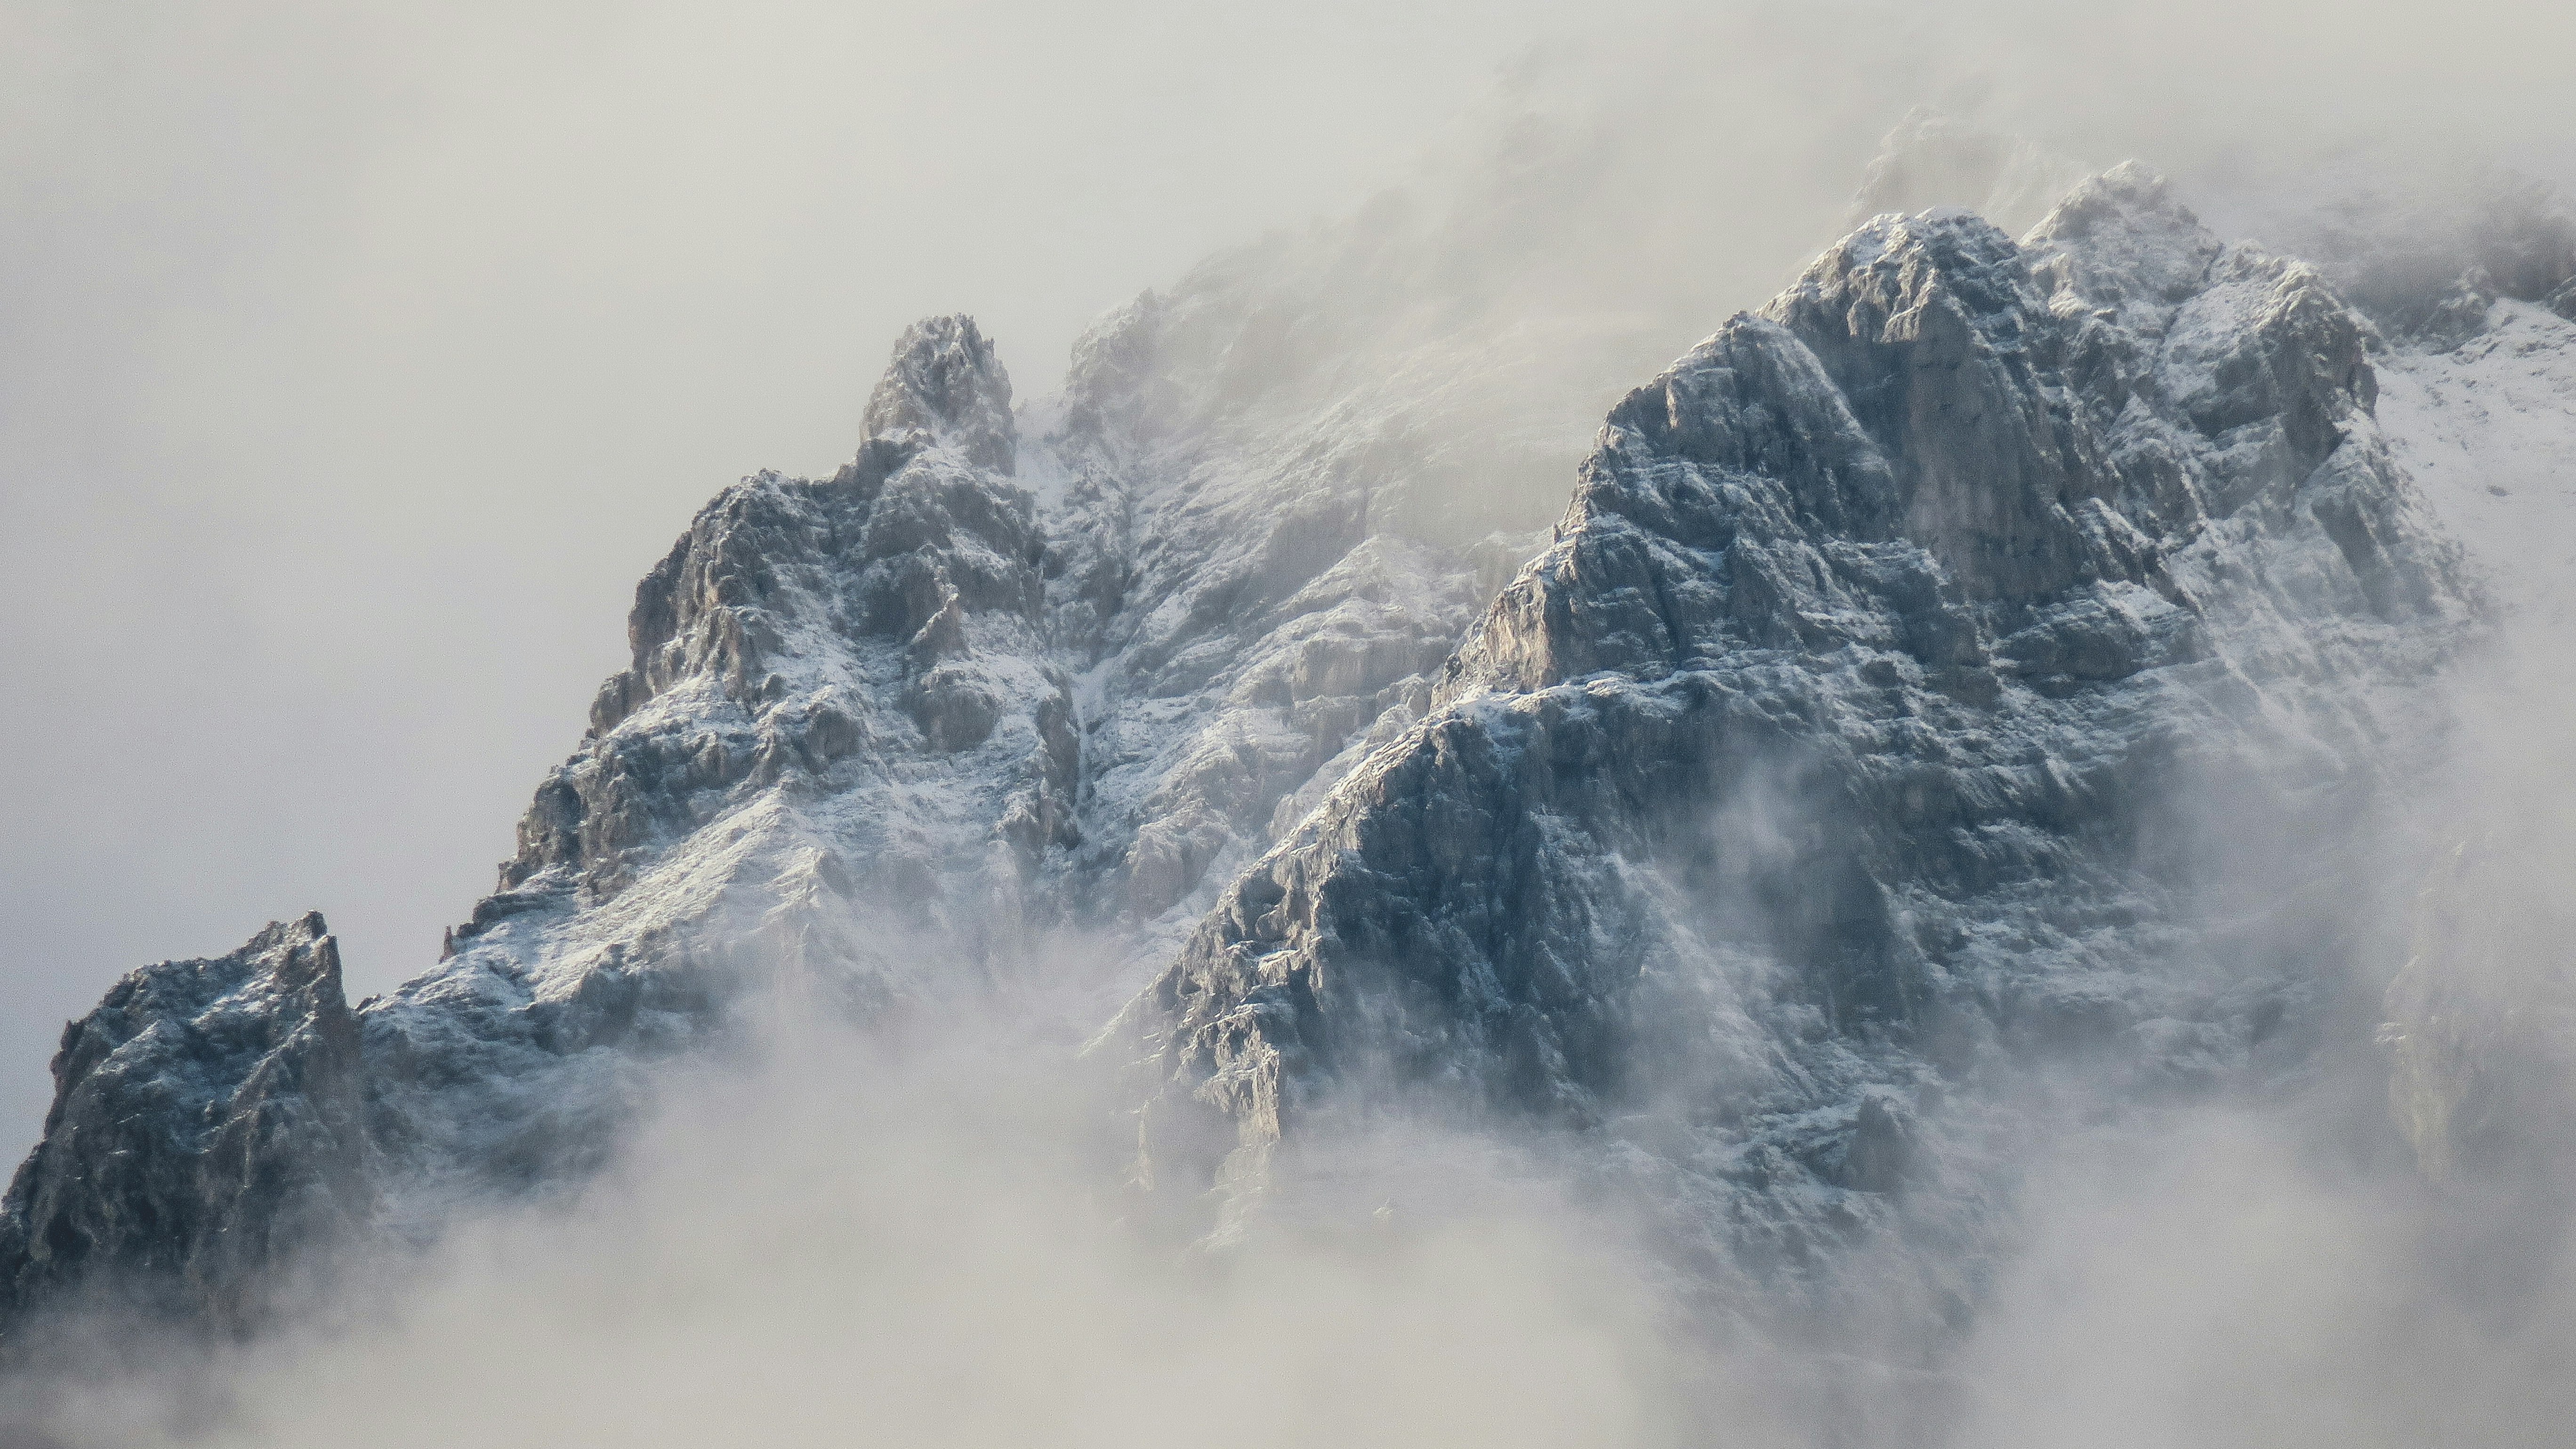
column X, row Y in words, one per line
column 856, row 1242
column 358, row 366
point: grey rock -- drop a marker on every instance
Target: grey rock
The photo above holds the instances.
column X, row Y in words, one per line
column 1840, row 749
column 1816, row 764
column 835, row 768
column 945, row 389
column 206, row 1134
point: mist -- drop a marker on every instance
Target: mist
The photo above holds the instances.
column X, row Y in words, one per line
column 360, row 363
column 870, row 1239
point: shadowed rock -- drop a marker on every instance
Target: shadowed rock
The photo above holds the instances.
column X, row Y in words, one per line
column 206, row 1130
column 1854, row 738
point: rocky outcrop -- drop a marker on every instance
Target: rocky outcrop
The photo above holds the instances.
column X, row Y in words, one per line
column 1833, row 751
column 1858, row 738
column 836, row 768
column 207, row 1130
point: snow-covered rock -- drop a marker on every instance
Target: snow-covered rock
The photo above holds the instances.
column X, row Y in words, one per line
column 1827, row 761
column 207, row 1124
column 1855, row 745
column 835, row 769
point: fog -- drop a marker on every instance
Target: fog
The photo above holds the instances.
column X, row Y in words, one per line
column 869, row 1241
column 357, row 365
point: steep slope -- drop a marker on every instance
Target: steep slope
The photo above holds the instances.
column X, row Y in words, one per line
column 832, row 774
column 1836, row 752
column 2482, row 423
column 2481, row 1027
column 206, row 1124
column 1934, row 675
column 834, row 768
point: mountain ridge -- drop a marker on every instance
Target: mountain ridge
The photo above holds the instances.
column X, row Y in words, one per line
column 1073, row 699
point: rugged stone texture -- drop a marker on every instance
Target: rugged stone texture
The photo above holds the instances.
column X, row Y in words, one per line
column 206, row 1130
column 1856, row 741
column 1227, row 567
column 835, row 768
column 1827, row 756
column 945, row 389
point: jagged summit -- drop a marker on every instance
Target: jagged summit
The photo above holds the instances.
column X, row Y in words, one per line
column 206, row 1126
column 1839, row 749
column 1811, row 772
column 944, row 388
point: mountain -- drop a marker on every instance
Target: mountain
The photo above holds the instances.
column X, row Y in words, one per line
column 1978, row 662
column 207, row 1127
column 1862, row 733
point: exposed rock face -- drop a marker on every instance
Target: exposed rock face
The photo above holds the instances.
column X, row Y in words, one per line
column 1243, row 616
column 945, row 389
column 835, row 767
column 1835, row 750
column 207, row 1124
column 1851, row 740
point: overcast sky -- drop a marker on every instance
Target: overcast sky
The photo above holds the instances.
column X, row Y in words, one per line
column 356, row 360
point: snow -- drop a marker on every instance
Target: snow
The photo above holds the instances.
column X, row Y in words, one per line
column 2488, row 430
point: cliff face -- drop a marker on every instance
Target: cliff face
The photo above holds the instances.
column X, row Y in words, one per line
column 1852, row 747
column 835, row 769
column 1844, row 756
column 207, row 1125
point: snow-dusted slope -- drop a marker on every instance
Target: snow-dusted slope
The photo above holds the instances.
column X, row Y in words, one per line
column 834, row 768
column 2481, row 1027
column 1941, row 672
column 2487, row 427
column 1821, row 759
column 207, row 1125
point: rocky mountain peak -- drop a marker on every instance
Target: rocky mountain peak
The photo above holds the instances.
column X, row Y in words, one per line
column 2124, row 240
column 1805, row 769
column 207, row 1123
column 1872, row 620
column 944, row 388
